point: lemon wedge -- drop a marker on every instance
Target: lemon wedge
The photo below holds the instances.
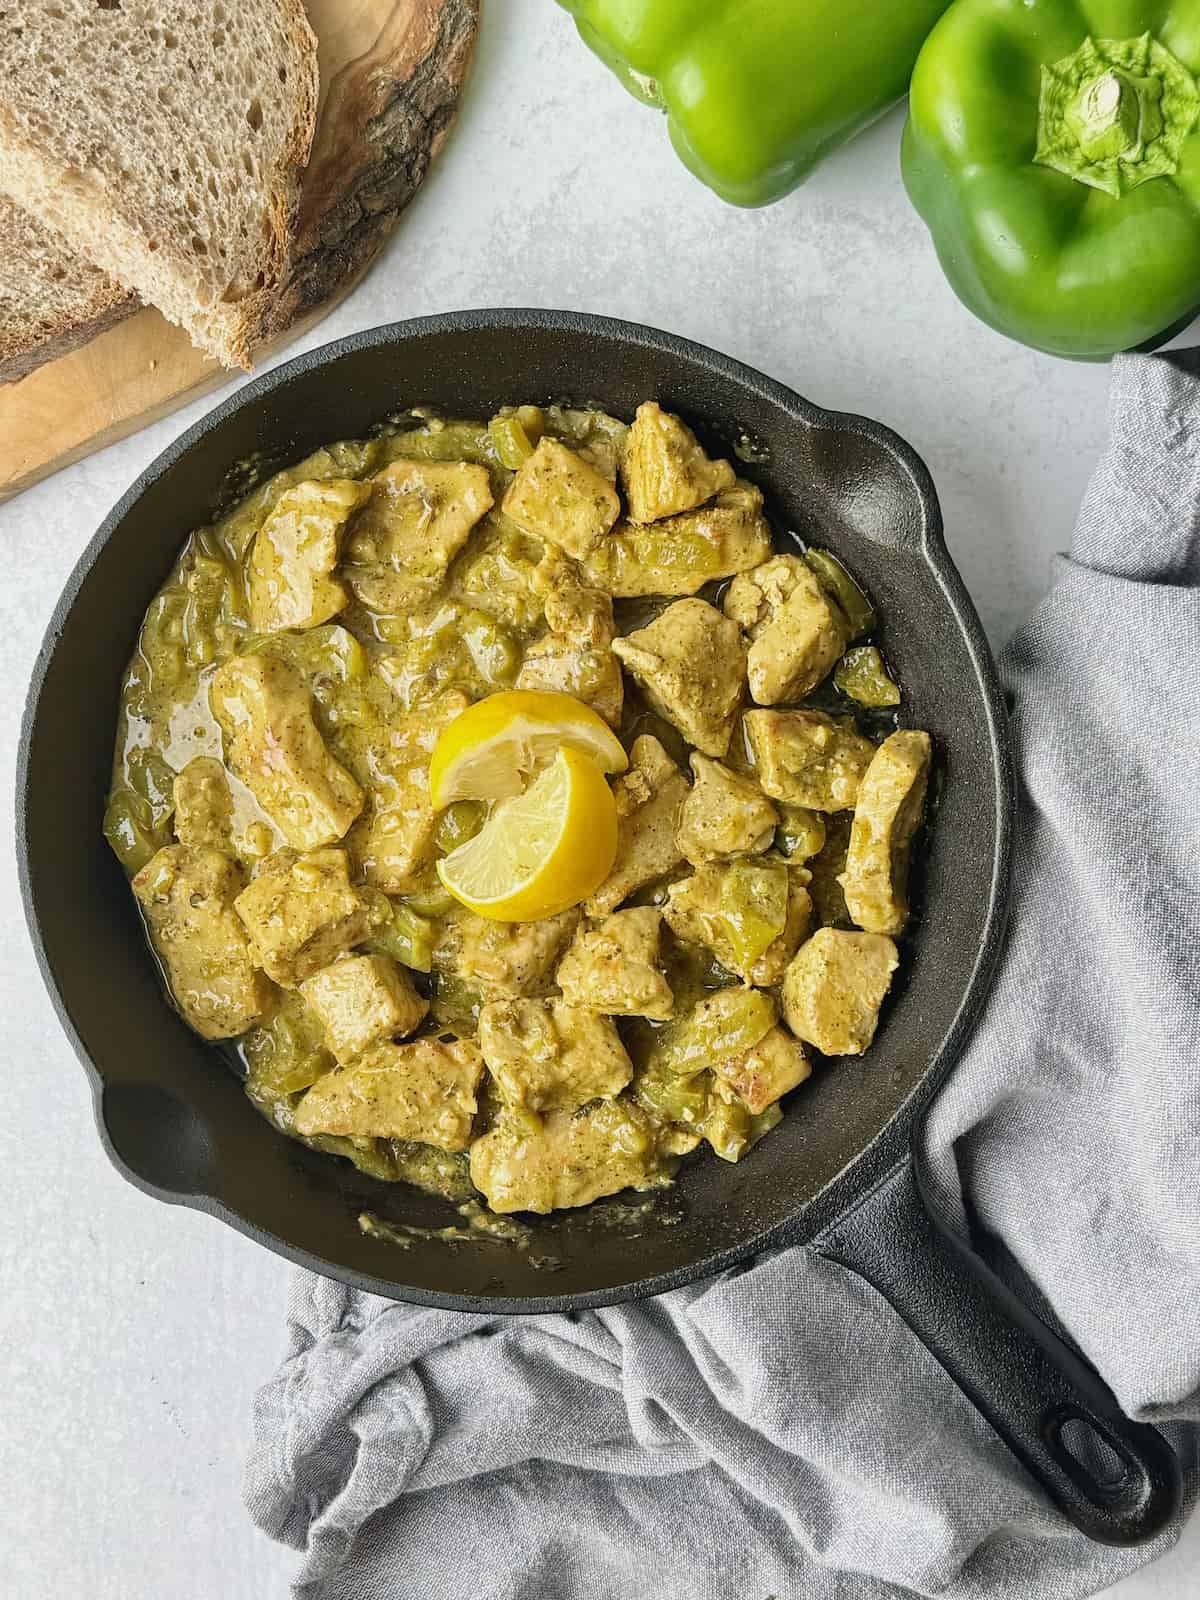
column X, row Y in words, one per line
column 541, row 851
column 491, row 749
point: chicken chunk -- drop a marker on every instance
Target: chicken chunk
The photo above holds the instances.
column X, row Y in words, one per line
column 752, row 914
column 272, row 744
column 724, row 815
column 360, row 1001
column 891, row 799
column 664, row 468
column 649, row 798
column 797, row 630
column 547, row 1055
column 296, row 553
column 615, row 967
column 394, row 845
column 417, row 519
column 571, row 1159
column 681, row 554
column 503, row 958
column 766, row 1072
column 808, row 759
column 558, row 498
column 423, row 1090
column 301, row 912
column 187, row 895
column 203, row 805
column 575, row 656
column 692, row 667
column 834, row 987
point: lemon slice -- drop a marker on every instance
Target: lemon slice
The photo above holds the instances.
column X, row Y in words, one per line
column 491, row 749
column 541, row 851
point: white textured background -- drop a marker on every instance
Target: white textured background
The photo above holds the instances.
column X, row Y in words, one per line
column 132, row 1336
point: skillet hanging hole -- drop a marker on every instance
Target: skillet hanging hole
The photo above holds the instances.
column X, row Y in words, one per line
column 1094, row 1459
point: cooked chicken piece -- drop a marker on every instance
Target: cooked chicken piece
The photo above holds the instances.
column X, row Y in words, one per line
column 649, row 797
column 681, row 554
column 692, row 667
column 724, row 815
column 272, row 744
column 296, row 553
column 765, row 1072
column 301, row 912
column 360, row 1001
column 423, row 1090
column 797, row 630
column 664, row 468
column 834, row 987
column 203, row 804
column 576, row 657
column 807, row 758
column 559, row 498
column 395, row 843
column 547, row 1055
column 752, row 914
column 503, row 958
column 187, row 895
column 571, row 1159
column 416, row 521
column 615, row 967
column 891, row 799
column 801, row 832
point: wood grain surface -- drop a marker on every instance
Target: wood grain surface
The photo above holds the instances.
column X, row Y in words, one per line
column 391, row 75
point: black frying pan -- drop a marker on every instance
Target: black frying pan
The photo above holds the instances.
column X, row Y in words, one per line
column 838, row 1172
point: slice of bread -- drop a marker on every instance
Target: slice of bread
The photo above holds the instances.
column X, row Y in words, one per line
column 165, row 143
column 51, row 300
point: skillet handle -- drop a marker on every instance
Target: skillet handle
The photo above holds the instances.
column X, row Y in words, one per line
column 1014, row 1370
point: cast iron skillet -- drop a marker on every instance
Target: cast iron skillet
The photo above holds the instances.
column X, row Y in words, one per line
column 838, row 1173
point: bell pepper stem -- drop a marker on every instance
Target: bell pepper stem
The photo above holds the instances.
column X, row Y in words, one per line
column 1106, row 117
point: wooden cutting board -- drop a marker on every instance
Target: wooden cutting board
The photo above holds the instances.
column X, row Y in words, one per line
column 391, row 75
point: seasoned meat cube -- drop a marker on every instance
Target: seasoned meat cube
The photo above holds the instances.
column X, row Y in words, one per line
column 361, row 1000
column 203, row 804
column 570, row 1160
column 891, row 798
column 187, row 895
column 559, row 498
column 576, row 657
column 834, row 987
column 273, row 746
column 765, row 1072
column 416, row 521
column 664, row 469
column 301, row 912
column 547, row 1055
column 724, row 815
column 692, row 666
column 649, row 797
column 808, row 759
column 296, row 552
column 395, row 843
column 797, row 630
column 503, row 958
column 423, row 1090
column 683, row 553
column 615, row 967
column 752, row 914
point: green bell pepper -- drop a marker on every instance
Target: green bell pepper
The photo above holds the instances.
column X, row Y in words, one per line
column 757, row 92
column 1052, row 149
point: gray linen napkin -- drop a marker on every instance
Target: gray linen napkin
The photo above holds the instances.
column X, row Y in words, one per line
column 777, row 1431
